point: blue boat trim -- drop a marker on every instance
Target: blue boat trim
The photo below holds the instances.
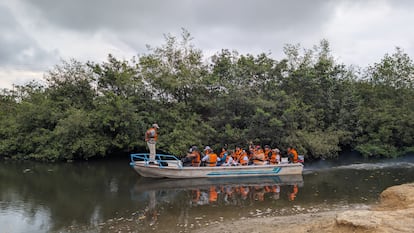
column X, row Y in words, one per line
column 275, row 170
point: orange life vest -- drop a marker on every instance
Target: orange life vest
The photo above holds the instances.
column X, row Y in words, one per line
column 259, row 157
column 151, row 134
column 244, row 160
column 294, row 153
column 237, row 154
column 212, row 160
column 274, row 158
column 196, row 161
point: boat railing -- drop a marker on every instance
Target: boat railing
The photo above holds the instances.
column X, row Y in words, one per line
column 162, row 160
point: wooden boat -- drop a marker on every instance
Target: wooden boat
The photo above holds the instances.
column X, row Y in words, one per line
column 169, row 166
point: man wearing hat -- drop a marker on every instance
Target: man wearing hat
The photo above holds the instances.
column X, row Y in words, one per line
column 151, row 137
column 210, row 157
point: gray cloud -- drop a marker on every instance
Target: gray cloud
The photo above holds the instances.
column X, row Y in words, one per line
column 160, row 14
column 94, row 15
column 17, row 48
column 138, row 22
column 35, row 33
column 263, row 15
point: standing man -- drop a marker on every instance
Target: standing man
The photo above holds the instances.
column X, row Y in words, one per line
column 151, row 137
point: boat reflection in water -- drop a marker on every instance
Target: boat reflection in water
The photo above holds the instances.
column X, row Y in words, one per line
column 146, row 184
column 184, row 200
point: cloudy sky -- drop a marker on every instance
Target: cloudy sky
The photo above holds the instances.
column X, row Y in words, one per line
column 35, row 35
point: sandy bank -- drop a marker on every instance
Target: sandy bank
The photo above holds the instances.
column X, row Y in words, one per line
column 394, row 213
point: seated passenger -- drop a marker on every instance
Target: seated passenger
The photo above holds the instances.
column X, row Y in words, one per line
column 259, row 157
column 229, row 161
column 195, row 156
column 267, row 152
column 223, row 156
column 237, row 153
column 250, row 153
column 210, row 157
column 188, row 158
column 275, row 158
column 292, row 155
column 244, row 158
column 234, row 157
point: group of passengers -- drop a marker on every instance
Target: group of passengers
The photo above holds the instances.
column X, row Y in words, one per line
column 255, row 155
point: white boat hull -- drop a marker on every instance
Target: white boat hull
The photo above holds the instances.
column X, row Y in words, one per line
column 172, row 170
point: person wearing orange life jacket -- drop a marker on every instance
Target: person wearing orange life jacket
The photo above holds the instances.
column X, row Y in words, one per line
column 275, row 158
column 251, row 153
column 151, row 137
column 268, row 152
column 237, row 154
column 244, row 158
column 194, row 156
column 210, row 157
column 259, row 157
column 292, row 155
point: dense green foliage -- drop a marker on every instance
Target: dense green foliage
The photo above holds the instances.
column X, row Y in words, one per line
column 307, row 100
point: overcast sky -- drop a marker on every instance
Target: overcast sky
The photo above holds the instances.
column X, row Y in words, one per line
column 35, row 35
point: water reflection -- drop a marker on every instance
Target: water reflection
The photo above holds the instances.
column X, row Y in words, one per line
column 51, row 197
column 187, row 202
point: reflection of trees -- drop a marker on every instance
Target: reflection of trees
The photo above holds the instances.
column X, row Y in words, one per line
column 72, row 193
column 183, row 206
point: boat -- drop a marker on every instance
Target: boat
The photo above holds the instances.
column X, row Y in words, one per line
column 169, row 166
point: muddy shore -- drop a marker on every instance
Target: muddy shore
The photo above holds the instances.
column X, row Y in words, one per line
column 394, row 213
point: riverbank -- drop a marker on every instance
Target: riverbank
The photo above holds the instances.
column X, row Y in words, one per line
column 394, row 213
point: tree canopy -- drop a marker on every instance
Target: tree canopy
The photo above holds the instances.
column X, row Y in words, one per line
column 307, row 100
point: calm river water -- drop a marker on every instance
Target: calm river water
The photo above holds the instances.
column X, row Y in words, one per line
column 108, row 196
